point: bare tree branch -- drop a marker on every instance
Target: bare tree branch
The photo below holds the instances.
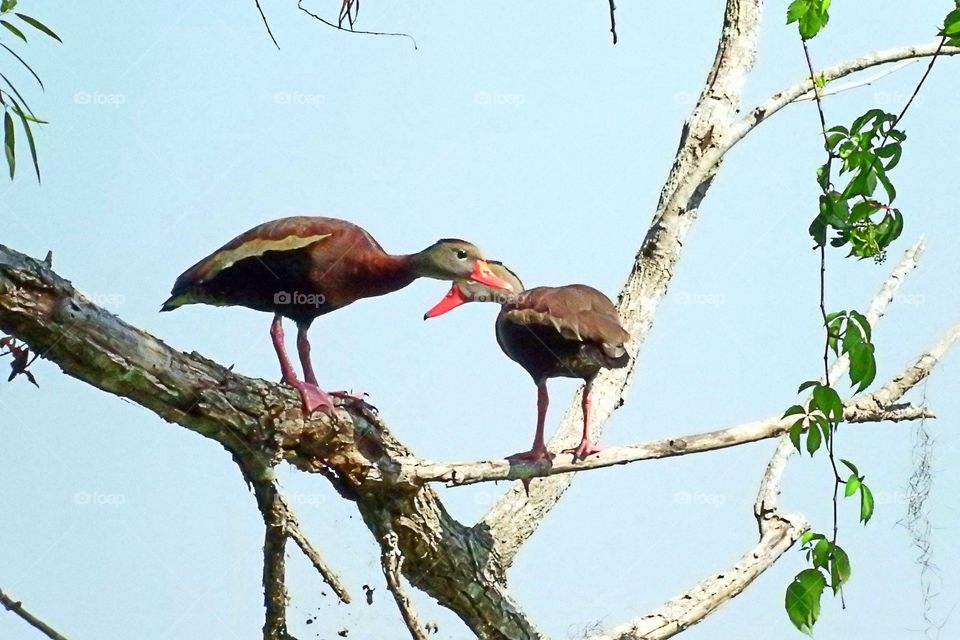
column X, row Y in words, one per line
column 856, row 84
column 868, row 409
column 778, row 533
column 339, row 27
column 613, row 20
column 274, row 559
column 799, row 90
column 267, row 24
column 391, row 561
column 293, row 531
column 263, row 421
column 17, row 609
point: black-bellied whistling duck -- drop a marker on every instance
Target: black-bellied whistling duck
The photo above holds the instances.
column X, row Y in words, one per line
column 552, row 332
column 304, row 267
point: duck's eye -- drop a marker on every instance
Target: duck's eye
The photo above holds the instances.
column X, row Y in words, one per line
column 462, row 254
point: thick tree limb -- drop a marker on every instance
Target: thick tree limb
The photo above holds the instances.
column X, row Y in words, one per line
column 515, row 517
column 255, row 419
column 17, row 609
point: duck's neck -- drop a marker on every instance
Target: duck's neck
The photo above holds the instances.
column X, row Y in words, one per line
column 388, row 273
column 418, row 264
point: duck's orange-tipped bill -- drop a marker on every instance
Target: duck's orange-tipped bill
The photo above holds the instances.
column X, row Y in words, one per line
column 452, row 300
column 484, row 275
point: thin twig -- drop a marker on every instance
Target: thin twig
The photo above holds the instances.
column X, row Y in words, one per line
column 17, row 608
column 340, row 28
column 267, row 24
column 294, row 533
column 856, row 84
column 613, row 20
column 391, row 561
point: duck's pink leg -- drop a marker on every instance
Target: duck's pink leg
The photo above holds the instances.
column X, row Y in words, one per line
column 539, row 450
column 313, row 397
column 303, row 348
column 586, row 447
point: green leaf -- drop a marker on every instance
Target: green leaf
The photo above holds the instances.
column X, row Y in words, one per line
column 863, row 365
column 806, row 385
column 839, row 568
column 834, row 210
column 36, row 24
column 889, row 228
column 12, row 29
column 796, row 10
column 823, row 176
column 893, row 151
column 864, row 324
column 833, row 139
column 818, row 231
column 872, row 114
column 794, row 411
column 885, row 181
column 9, row 143
column 25, row 121
column 810, row 535
column 7, row 5
column 851, row 336
column 821, row 553
column 951, row 25
column 802, row 601
column 828, row 401
column 850, row 465
column 813, row 440
column 863, row 210
column 866, row 503
column 863, row 184
column 834, row 329
column 795, row 431
column 24, row 63
column 852, row 486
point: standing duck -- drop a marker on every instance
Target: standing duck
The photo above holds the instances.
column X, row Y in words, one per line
column 553, row 332
column 304, row 267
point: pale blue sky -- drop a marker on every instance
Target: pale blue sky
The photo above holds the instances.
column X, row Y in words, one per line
column 174, row 126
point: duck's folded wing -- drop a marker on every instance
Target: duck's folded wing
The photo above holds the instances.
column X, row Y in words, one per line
column 576, row 312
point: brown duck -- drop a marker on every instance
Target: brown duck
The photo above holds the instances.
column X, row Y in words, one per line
column 571, row 332
column 304, row 267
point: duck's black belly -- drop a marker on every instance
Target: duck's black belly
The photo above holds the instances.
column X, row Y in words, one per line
column 277, row 282
column 544, row 353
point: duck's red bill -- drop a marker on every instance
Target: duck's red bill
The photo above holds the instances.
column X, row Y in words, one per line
column 483, row 275
column 452, row 300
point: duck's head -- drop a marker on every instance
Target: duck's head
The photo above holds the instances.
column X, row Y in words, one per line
column 456, row 260
column 466, row 290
